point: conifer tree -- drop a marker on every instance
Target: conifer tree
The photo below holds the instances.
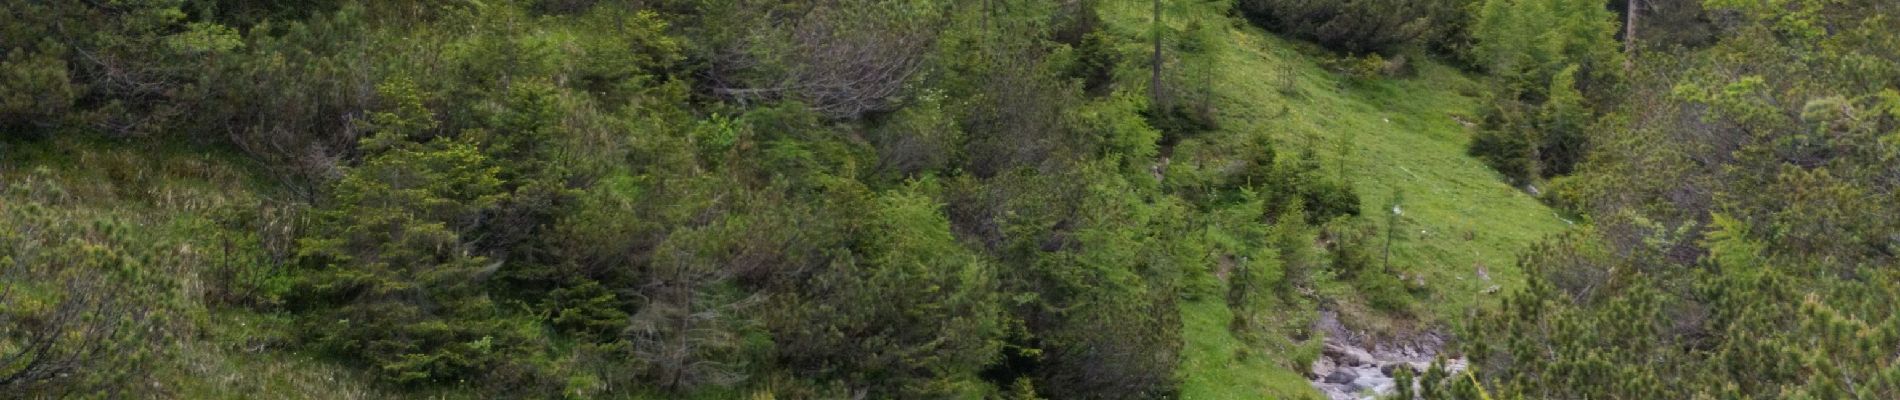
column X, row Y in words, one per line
column 389, row 261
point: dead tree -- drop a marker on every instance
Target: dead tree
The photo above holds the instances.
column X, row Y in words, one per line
column 845, row 60
column 685, row 332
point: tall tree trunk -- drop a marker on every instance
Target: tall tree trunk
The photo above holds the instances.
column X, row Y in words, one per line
column 1629, row 36
column 986, row 23
column 1154, row 80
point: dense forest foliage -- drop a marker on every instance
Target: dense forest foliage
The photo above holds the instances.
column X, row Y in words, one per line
column 1742, row 194
column 894, row 199
column 1007, row 199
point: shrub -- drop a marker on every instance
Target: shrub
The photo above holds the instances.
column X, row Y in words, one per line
column 388, row 260
column 1562, row 121
column 1118, row 332
column 82, row 304
column 917, row 139
column 1352, row 26
column 845, row 59
column 1506, row 151
column 907, row 311
column 1329, row 199
column 587, row 311
column 1547, row 141
column 1181, row 120
column 1322, row 198
column 131, row 68
column 294, row 96
column 1293, row 240
column 1526, row 42
column 1384, row 291
column 35, row 91
column 1356, row 260
column 1369, row 66
column 1552, row 61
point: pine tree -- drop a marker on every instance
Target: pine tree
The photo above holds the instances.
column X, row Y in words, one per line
column 388, row 260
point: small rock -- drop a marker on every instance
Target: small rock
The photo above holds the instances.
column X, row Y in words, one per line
column 1455, row 365
column 1341, row 377
column 1347, row 356
column 1492, row 289
column 1322, row 367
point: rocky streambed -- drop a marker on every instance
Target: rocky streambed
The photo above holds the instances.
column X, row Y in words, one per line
column 1353, row 366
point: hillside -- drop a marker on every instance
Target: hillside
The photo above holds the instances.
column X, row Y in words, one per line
column 1406, row 133
column 277, row 252
column 997, row 199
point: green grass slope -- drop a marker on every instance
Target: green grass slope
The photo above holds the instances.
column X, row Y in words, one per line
column 1385, row 136
column 1400, row 135
column 1216, row 365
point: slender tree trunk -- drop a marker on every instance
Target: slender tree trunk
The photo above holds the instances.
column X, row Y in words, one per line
column 986, row 23
column 1391, row 230
column 1629, row 36
column 1154, row 80
column 1207, row 93
column 1392, row 227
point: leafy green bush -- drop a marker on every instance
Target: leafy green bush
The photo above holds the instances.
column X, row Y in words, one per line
column 1506, row 150
column 1356, row 260
column 907, row 311
column 1322, row 198
column 35, row 91
column 1292, row 186
column 1328, row 199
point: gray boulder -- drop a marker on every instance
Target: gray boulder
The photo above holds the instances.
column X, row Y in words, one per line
column 1342, row 376
column 1321, row 368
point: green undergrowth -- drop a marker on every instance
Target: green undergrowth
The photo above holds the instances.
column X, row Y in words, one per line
column 209, row 209
column 176, row 203
column 202, row 214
